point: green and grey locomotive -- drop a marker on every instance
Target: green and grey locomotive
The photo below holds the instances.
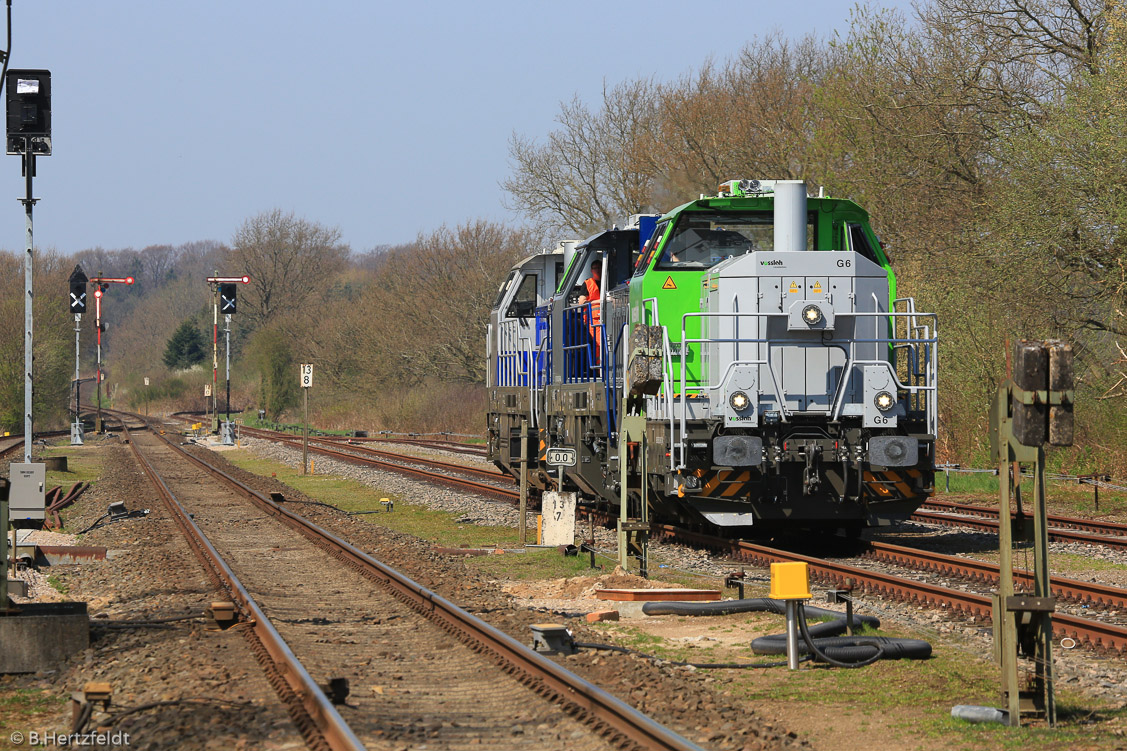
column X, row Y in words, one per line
column 740, row 361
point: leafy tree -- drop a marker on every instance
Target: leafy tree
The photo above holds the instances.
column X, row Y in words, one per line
column 270, row 350
column 53, row 355
column 186, row 348
column 1063, row 208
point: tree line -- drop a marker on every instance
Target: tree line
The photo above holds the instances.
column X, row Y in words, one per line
column 392, row 332
column 985, row 137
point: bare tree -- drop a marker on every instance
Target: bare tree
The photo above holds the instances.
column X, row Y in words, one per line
column 751, row 116
column 586, row 176
column 423, row 313
column 1057, row 36
column 288, row 260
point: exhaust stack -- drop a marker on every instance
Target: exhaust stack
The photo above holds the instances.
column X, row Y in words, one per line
column 790, row 215
column 568, row 251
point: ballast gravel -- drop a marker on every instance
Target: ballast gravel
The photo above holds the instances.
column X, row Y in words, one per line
column 1098, row 674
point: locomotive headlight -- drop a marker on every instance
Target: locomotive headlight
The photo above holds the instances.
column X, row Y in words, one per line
column 884, row 401
column 739, row 401
column 811, row 314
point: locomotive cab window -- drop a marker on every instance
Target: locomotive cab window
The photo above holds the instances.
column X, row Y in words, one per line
column 505, row 288
column 859, row 243
column 645, row 258
column 524, row 301
column 702, row 239
column 615, row 250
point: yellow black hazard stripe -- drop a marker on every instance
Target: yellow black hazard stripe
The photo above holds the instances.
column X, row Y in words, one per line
column 726, row 483
column 735, row 483
column 892, row 483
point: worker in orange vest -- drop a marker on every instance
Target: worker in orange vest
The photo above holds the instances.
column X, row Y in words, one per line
column 593, row 295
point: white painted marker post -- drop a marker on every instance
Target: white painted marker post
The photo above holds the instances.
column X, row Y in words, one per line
column 306, row 384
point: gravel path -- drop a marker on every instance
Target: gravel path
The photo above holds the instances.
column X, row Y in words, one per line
column 217, row 697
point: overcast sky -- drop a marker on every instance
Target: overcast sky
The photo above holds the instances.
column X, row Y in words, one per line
column 176, row 121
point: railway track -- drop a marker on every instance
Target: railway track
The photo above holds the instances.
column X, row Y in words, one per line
column 440, row 474
column 1061, row 528
column 1071, row 590
column 11, row 444
column 373, row 626
column 351, row 446
column 1094, row 634
column 1097, row 635
column 459, row 447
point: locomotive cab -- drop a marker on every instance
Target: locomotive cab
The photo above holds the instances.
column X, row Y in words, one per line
column 514, row 352
column 798, row 389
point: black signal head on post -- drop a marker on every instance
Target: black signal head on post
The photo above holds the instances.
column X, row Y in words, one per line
column 227, row 298
column 78, row 290
column 78, row 297
column 29, row 111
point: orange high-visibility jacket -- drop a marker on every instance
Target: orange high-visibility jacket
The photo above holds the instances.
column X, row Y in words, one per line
column 593, row 298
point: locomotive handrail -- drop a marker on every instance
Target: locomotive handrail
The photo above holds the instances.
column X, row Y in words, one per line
column 593, row 347
column 852, row 362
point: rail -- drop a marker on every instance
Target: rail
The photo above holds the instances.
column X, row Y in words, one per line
column 567, row 687
column 323, row 723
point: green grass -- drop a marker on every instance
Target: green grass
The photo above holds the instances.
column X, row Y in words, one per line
column 83, row 465
column 349, row 495
column 1076, row 562
column 1075, row 729
column 25, row 709
column 1062, row 496
column 252, row 421
column 534, row 564
column 59, row 585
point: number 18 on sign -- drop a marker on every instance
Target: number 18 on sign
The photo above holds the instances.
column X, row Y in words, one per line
column 306, row 384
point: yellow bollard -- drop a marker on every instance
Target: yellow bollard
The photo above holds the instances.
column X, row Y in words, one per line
column 790, row 582
column 539, row 529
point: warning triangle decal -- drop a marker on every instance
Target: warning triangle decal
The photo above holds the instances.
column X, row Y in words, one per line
column 669, row 283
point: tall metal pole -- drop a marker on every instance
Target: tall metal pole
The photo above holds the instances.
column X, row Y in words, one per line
column 215, row 353
column 228, row 371
column 522, row 524
column 5, row 601
column 28, row 203
column 77, row 350
column 98, row 375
